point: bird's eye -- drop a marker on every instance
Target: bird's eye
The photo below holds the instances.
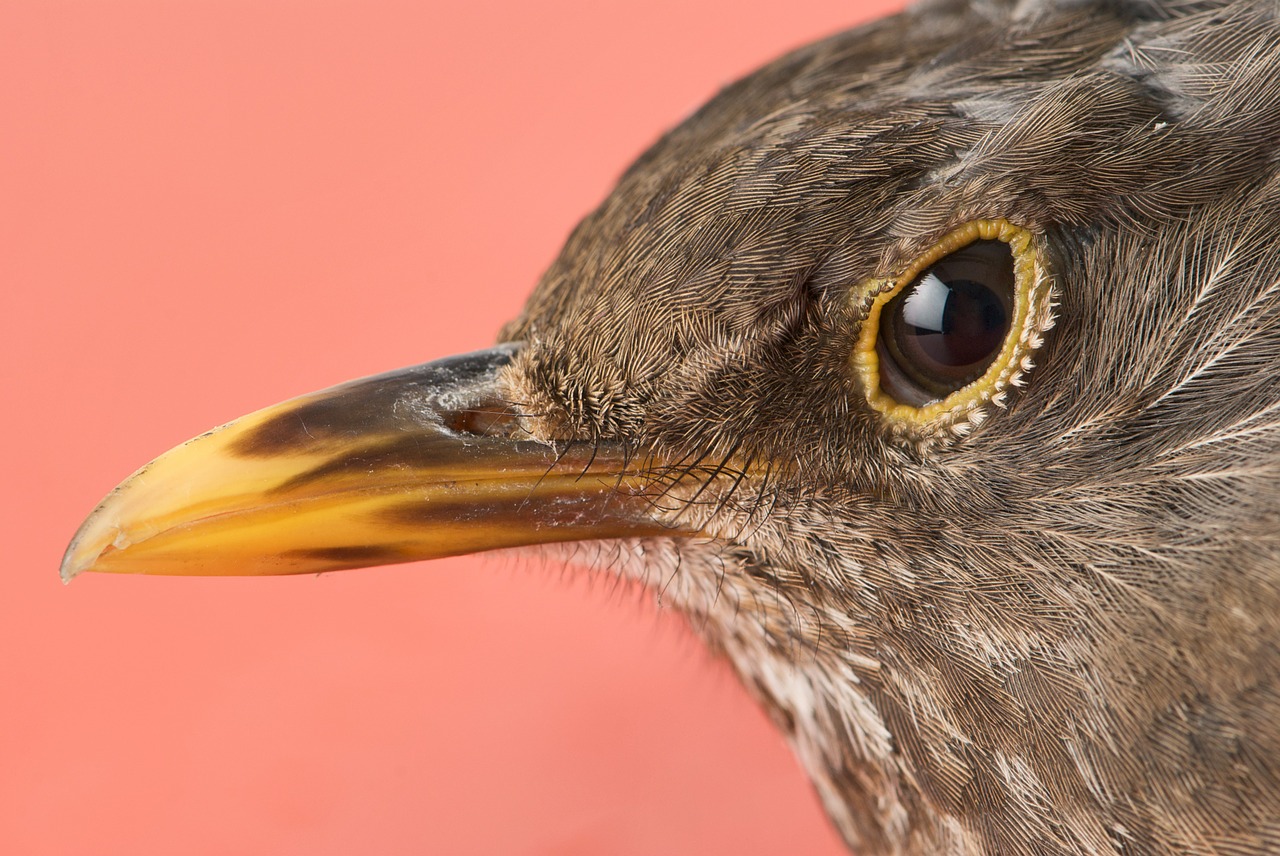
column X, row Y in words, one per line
column 955, row 328
column 944, row 328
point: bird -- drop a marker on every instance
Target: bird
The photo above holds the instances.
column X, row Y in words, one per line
column 933, row 372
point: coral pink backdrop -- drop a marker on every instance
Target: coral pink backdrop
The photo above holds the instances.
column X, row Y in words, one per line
column 206, row 207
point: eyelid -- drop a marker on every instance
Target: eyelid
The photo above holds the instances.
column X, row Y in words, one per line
column 1032, row 317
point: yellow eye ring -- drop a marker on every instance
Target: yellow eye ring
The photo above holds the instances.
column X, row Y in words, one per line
column 1030, row 315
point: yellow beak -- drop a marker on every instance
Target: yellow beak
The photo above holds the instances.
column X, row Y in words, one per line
column 416, row 464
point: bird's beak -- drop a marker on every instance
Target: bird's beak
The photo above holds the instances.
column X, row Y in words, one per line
column 417, row 464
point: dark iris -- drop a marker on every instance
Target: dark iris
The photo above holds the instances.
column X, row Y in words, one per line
column 944, row 328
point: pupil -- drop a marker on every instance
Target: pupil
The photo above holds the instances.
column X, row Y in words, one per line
column 972, row 325
column 955, row 324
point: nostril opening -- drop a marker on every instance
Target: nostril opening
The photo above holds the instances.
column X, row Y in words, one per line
column 496, row 420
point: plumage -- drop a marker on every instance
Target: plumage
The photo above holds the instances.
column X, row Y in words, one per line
column 1060, row 634
column 1049, row 623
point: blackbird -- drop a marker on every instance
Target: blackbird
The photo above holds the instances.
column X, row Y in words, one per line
column 933, row 371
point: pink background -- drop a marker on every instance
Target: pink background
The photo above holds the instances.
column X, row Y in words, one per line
column 206, row 207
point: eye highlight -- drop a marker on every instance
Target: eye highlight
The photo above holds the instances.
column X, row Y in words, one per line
column 954, row 329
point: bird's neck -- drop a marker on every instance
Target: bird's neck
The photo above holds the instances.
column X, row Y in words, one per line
column 814, row 682
column 825, row 701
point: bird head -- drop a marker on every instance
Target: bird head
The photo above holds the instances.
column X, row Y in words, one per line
column 931, row 370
